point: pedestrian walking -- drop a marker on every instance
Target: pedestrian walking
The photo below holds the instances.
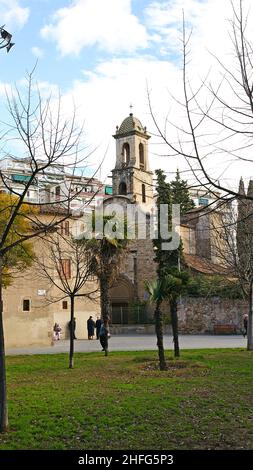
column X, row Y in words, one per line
column 104, row 335
column 245, row 324
column 73, row 329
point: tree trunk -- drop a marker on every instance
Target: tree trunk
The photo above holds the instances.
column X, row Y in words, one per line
column 104, row 300
column 249, row 326
column 3, row 392
column 71, row 348
column 174, row 324
column 159, row 335
column 105, row 305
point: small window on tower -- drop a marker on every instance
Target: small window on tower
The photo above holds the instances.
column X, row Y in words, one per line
column 26, row 305
column 122, row 188
column 141, row 156
column 126, row 153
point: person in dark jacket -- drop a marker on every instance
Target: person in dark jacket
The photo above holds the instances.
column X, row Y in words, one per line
column 245, row 324
column 98, row 326
column 90, row 327
column 74, row 328
column 104, row 335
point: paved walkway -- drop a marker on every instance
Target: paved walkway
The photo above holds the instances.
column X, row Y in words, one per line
column 135, row 342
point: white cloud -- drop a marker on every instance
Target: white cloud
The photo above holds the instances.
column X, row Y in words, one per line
column 38, row 52
column 5, row 89
column 12, row 14
column 207, row 20
column 166, row 19
column 107, row 24
column 104, row 96
column 166, row 13
column 44, row 88
column 105, row 93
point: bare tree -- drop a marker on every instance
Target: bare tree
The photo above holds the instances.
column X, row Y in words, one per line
column 217, row 117
column 232, row 242
column 68, row 266
column 45, row 140
column 108, row 252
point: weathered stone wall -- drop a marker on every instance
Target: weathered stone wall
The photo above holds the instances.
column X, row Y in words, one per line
column 199, row 315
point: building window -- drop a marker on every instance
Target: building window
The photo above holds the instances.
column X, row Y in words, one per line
column 143, row 192
column 122, row 188
column 126, row 153
column 20, row 178
column 65, row 304
column 108, row 190
column 203, row 201
column 65, row 269
column 141, row 157
column 26, row 305
column 57, row 193
column 65, row 228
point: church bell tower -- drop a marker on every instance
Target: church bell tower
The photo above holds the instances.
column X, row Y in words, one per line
column 131, row 176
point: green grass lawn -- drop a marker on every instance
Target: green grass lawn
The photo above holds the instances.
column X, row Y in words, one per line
column 203, row 401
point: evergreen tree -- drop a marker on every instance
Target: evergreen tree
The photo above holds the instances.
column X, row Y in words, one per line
column 169, row 193
column 163, row 257
column 180, row 194
column 169, row 262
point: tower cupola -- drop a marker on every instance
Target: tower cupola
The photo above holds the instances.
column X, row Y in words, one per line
column 131, row 175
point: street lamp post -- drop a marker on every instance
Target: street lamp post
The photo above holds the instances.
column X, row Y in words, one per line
column 5, row 39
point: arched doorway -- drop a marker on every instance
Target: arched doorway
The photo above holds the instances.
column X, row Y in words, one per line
column 121, row 295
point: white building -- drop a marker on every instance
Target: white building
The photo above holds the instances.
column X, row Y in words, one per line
column 51, row 186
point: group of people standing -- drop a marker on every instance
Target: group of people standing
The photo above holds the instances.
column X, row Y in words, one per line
column 91, row 326
column 102, row 333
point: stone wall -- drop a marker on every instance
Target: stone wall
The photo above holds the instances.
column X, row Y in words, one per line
column 199, row 315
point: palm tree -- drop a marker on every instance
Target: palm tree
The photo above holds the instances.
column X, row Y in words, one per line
column 169, row 287
column 157, row 291
column 107, row 253
column 176, row 282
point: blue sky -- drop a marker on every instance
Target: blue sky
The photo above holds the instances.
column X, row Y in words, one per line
column 102, row 53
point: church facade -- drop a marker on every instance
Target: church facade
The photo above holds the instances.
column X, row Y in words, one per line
column 29, row 319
